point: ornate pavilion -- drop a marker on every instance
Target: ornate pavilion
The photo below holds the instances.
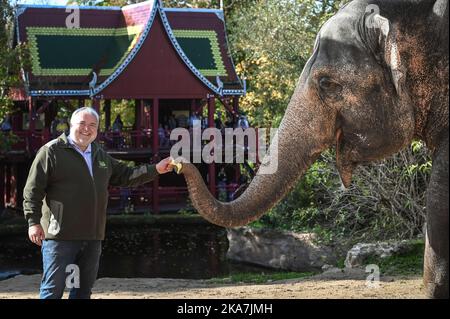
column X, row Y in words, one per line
column 167, row 61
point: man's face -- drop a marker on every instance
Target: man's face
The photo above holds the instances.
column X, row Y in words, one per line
column 83, row 129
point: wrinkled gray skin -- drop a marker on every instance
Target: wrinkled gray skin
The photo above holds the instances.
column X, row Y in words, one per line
column 375, row 81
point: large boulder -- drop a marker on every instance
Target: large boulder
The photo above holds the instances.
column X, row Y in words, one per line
column 278, row 249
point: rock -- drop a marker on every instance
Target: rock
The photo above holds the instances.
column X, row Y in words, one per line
column 277, row 249
column 333, row 270
column 326, row 267
column 359, row 253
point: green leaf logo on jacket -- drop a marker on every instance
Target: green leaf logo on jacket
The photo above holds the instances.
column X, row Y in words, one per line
column 101, row 164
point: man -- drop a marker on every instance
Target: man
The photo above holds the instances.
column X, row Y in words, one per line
column 65, row 200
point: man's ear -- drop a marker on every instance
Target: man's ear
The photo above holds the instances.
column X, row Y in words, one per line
column 383, row 44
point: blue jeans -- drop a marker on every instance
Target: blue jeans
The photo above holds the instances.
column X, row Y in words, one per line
column 59, row 256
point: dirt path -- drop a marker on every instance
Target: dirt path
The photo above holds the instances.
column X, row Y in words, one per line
column 327, row 285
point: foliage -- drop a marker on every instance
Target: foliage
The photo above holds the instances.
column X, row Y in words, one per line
column 106, row 3
column 408, row 263
column 126, row 110
column 271, row 41
column 10, row 58
column 385, row 201
column 228, row 4
column 7, row 140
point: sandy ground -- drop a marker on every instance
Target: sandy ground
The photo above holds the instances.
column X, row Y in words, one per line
column 333, row 284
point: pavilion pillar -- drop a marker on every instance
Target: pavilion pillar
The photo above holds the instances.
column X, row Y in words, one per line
column 212, row 166
column 96, row 105
column 155, row 125
column 146, row 115
column 17, row 120
column 7, row 195
column 237, row 167
column 200, row 110
column 22, row 174
column 31, row 123
column 235, row 107
column 155, row 151
column 49, row 114
column 138, row 109
column 13, row 186
column 193, row 106
column 107, row 110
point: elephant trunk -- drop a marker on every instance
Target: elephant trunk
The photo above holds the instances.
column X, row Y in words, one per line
column 300, row 141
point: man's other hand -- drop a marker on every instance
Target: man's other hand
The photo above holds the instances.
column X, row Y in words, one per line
column 36, row 234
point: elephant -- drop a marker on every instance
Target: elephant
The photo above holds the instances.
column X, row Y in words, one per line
column 377, row 80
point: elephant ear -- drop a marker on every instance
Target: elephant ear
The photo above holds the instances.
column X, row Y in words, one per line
column 381, row 41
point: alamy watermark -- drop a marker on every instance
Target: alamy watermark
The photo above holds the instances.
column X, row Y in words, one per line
column 230, row 145
column 73, row 279
column 373, row 279
column 73, row 19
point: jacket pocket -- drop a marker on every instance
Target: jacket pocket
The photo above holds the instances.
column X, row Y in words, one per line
column 56, row 214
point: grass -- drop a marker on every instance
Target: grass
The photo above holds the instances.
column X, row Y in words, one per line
column 407, row 264
column 261, row 278
column 340, row 263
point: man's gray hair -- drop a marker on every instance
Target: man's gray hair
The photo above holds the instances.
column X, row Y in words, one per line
column 85, row 109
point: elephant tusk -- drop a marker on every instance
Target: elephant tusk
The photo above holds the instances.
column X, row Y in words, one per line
column 338, row 139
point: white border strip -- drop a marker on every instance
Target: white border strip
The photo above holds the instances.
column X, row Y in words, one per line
column 134, row 5
column 43, row 6
column 193, row 10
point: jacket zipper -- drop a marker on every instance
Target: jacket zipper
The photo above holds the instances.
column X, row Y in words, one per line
column 93, row 184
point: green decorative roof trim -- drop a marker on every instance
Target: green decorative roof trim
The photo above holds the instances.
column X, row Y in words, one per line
column 202, row 49
column 74, row 52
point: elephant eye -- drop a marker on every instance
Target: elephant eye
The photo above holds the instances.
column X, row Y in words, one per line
column 329, row 86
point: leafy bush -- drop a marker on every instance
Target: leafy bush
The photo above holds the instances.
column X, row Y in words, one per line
column 385, row 201
column 7, row 140
column 405, row 264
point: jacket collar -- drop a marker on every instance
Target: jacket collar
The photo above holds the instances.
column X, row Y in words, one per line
column 62, row 139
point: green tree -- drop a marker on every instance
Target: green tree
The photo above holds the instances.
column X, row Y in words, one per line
column 10, row 58
column 271, row 41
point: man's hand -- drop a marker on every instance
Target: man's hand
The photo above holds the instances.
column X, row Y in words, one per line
column 165, row 166
column 36, row 234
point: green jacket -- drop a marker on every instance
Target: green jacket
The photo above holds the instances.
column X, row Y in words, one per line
column 62, row 196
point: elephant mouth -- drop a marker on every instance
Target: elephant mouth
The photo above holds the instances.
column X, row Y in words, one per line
column 346, row 173
column 345, row 167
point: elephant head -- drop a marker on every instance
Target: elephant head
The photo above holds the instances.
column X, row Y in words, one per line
column 367, row 89
column 350, row 93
